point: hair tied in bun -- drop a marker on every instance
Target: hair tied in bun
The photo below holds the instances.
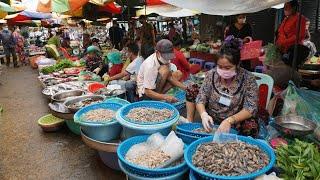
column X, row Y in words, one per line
column 233, row 43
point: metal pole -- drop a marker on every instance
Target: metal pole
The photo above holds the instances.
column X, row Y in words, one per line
column 295, row 53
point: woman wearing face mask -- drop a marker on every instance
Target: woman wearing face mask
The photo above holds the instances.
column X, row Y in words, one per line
column 240, row 29
column 229, row 94
column 287, row 32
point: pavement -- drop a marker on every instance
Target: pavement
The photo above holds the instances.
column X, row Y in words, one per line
column 26, row 152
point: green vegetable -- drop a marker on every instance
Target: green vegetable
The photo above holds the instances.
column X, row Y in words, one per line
column 65, row 63
column 299, row 160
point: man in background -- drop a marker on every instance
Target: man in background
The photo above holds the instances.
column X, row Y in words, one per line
column 9, row 44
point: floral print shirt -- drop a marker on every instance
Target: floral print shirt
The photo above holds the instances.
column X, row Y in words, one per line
column 243, row 93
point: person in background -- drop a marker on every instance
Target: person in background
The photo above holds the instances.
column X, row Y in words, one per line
column 155, row 78
column 147, row 37
column 229, row 95
column 94, row 61
column 116, row 35
column 172, row 32
column 9, row 45
column 115, row 59
column 195, row 37
column 85, row 35
column 307, row 41
column 240, row 29
column 38, row 42
column 181, row 62
column 288, row 32
column 131, row 71
column 20, row 46
column 55, row 40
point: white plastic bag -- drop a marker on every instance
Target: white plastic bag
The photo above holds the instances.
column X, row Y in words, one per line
column 155, row 140
column 172, row 146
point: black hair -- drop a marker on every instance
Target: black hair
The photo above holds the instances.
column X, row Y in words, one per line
column 177, row 41
column 171, row 25
column 231, row 50
column 142, row 17
column 82, row 23
column 294, row 5
column 134, row 48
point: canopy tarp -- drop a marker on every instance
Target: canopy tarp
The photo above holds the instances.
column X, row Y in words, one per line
column 111, row 8
column 59, row 6
column 166, row 10
column 225, row 7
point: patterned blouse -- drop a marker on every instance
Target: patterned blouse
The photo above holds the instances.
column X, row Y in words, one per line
column 243, row 93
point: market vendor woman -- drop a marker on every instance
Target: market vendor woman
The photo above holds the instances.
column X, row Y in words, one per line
column 229, row 94
column 94, row 62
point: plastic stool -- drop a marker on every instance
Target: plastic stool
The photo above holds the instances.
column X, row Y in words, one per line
column 209, row 65
column 259, row 69
column 200, row 62
column 192, row 60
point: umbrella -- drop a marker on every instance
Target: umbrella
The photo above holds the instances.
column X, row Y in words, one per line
column 6, row 7
column 111, row 8
column 59, row 6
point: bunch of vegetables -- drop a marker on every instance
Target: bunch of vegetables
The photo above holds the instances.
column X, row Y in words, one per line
column 200, row 48
column 299, row 160
column 65, row 63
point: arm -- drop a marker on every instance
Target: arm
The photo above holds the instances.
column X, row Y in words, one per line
column 119, row 76
column 176, row 83
column 184, row 61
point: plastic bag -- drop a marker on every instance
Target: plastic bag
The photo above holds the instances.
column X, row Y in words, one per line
column 172, row 146
column 153, row 142
column 251, row 50
column 302, row 102
column 224, row 137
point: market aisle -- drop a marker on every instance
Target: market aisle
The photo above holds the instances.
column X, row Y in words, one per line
column 28, row 153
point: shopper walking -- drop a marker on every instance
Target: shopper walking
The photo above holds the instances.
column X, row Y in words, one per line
column 9, row 45
column 20, row 46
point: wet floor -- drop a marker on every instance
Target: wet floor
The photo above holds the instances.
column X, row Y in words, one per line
column 28, row 153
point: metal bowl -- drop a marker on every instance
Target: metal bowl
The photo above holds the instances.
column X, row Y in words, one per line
column 69, row 102
column 57, row 109
column 63, row 96
column 294, row 125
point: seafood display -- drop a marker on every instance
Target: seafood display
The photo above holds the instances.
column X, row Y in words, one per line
column 200, row 130
column 149, row 114
column 100, row 115
column 86, row 102
column 152, row 159
column 229, row 159
column 51, row 90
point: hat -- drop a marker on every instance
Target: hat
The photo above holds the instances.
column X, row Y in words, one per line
column 91, row 49
column 114, row 57
column 165, row 47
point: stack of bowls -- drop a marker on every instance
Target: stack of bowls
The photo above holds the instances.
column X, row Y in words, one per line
column 187, row 134
column 133, row 128
column 135, row 172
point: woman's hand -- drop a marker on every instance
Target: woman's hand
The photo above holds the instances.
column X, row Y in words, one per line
column 207, row 121
column 224, row 126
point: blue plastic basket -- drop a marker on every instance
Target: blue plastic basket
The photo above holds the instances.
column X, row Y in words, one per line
column 181, row 96
column 148, row 104
column 187, row 128
column 118, row 101
column 132, row 176
column 187, row 138
column 101, row 131
column 262, row 145
column 143, row 171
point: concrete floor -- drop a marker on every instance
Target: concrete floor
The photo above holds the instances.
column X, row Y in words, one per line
column 28, row 153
